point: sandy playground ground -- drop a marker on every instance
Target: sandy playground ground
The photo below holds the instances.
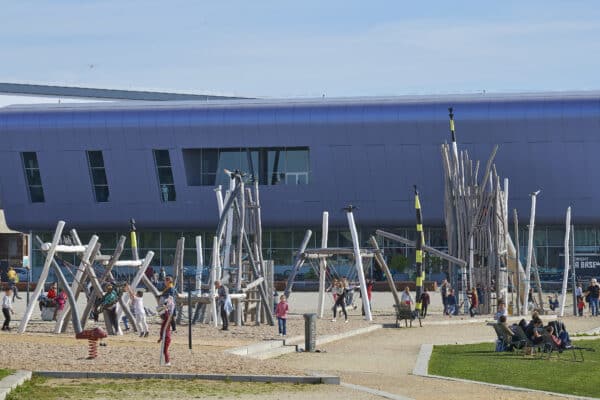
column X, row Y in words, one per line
column 381, row 360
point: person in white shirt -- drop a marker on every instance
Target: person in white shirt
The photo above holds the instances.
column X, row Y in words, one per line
column 137, row 303
column 7, row 309
column 406, row 298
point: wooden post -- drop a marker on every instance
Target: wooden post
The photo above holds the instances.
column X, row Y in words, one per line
column 383, row 265
column 358, row 263
column 517, row 261
column 529, row 252
column 199, row 264
column 43, row 276
column 323, row 266
column 213, row 279
column 78, row 282
column 419, row 253
column 297, row 263
column 567, row 254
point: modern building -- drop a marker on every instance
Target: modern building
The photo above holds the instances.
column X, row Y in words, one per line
column 96, row 165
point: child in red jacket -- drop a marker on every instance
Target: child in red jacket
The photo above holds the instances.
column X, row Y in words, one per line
column 281, row 313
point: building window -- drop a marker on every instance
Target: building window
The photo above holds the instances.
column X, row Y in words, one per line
column 166, row 184
column 269, row 165
column 34, row 179
column 98, row 176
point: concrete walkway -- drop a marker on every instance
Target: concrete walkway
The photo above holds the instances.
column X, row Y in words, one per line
column 384, row 360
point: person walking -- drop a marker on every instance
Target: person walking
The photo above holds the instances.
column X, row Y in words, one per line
column 444, row 292
column 451, row 303
column 281, row 313
column 7, row 309
column 425, row 300
column 593, row 291
column 13, row 279
column 474, row 302
column 340, row 300
column 224, row 303
column 165, row 332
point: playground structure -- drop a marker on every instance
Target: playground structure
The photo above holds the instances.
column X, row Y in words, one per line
column 89, row 254
column 476, row 219
column 237, row 261
column 325, row 271
column 479, row 242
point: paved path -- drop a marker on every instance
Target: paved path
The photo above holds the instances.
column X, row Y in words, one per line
column 384, row 360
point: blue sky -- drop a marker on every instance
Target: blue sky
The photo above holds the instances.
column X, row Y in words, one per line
column 303, row 49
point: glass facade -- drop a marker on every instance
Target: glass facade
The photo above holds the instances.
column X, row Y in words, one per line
column 270, row 165
column 33, row 177
column 98, row 176
column 166, row 184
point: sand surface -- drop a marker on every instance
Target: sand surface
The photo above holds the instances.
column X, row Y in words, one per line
column 382, row 360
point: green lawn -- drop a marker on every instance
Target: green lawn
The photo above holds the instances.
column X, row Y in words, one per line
column 479, row 362
column 5, row 372
column 55, row 389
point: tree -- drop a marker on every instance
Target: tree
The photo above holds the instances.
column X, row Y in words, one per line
column 399, row 263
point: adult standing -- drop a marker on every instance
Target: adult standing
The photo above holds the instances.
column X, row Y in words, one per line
column 169, row 291
column 224, row 303
column 593, row 291
column 405, row 298
column 444, row 292
column 340, row 301
column 425, row 300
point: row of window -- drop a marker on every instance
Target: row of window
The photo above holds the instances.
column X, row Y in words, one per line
column 203, row 167
column 268, row 165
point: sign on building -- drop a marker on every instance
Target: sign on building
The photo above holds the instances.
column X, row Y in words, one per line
column 587, row 266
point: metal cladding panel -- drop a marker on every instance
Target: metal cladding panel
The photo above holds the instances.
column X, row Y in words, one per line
column 365, row 152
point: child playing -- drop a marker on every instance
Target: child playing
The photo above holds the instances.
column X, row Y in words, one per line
column 281, row 313
column 580, row 305
column 7, row 309
column 137, row 302
column 165, row 331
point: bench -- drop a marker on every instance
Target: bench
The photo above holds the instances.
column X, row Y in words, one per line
column 404, row 312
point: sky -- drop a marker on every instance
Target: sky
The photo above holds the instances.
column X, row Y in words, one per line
column 304, row 48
